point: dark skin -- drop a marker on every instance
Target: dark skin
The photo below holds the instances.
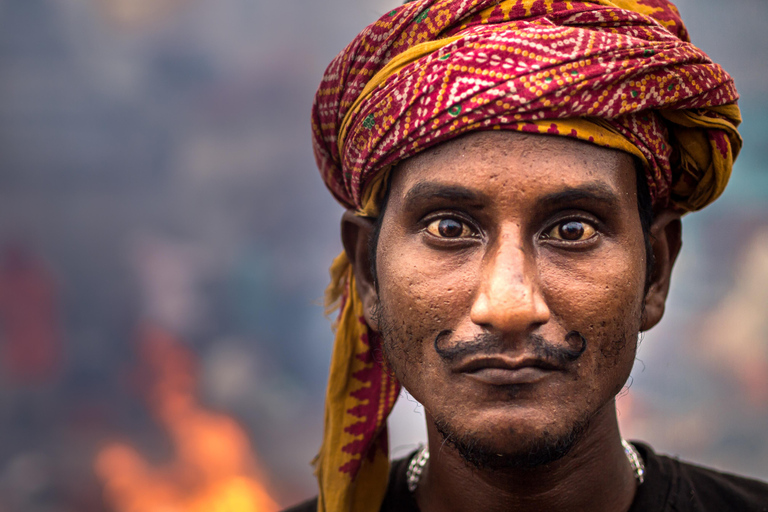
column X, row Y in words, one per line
column 492, row 246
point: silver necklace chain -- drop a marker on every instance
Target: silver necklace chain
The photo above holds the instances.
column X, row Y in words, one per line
column 634, row 460
column 420, row 459
column 415, row 467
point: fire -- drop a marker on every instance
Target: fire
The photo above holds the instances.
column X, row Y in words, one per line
column 214, row 469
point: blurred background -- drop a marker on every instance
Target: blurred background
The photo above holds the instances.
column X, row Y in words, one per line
column 165, row 239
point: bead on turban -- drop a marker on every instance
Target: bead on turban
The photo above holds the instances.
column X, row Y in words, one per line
column 617, row 73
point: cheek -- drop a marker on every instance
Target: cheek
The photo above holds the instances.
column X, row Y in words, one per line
column 600, row 297
column 421, row 284
column 420, row 295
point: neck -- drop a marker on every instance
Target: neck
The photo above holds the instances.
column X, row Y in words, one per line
column 594, row 476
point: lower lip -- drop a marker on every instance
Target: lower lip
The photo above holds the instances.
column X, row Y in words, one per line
column 508, row 377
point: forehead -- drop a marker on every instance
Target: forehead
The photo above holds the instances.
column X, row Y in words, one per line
column 518, row 167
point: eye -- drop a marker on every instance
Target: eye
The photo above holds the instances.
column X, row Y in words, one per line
column 572, row 231
column 448, row 227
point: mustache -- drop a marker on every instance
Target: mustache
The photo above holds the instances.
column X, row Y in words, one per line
column 488, row 344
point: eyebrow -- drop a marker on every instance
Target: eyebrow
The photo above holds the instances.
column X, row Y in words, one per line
column 427, row 190
column 588, row 192
column 591, row 192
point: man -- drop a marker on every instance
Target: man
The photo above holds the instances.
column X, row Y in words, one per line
column 514, row 173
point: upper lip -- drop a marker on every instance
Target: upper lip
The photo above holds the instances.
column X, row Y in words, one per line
column 504, row 363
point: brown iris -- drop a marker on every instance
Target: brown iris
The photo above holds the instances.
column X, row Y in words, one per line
column 572, row 230
column 449, row 228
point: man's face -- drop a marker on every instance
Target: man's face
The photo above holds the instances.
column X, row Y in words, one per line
column 511, row 273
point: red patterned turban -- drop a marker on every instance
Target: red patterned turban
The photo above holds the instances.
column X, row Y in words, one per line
column 617, row 73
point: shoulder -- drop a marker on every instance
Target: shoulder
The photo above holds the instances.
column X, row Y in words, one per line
column 685, row 486
column 720, row 491
column 397, row 499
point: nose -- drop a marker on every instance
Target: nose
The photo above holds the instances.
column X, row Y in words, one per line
column 509, row 298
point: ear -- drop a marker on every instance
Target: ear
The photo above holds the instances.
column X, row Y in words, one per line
column 666, row 241
column 355, row 235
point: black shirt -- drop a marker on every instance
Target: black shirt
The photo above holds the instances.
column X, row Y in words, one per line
column 669, row 486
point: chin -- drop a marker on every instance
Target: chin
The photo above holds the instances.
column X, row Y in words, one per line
column 511, row 447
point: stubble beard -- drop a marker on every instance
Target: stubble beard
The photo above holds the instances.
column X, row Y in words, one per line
column 541, row 451
column 473, row 447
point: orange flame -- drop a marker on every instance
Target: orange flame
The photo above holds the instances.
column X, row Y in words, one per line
column 214, row 469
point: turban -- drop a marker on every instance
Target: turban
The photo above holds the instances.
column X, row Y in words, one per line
column 617, row 73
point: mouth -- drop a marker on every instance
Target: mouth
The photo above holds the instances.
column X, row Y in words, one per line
column 502, row 371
